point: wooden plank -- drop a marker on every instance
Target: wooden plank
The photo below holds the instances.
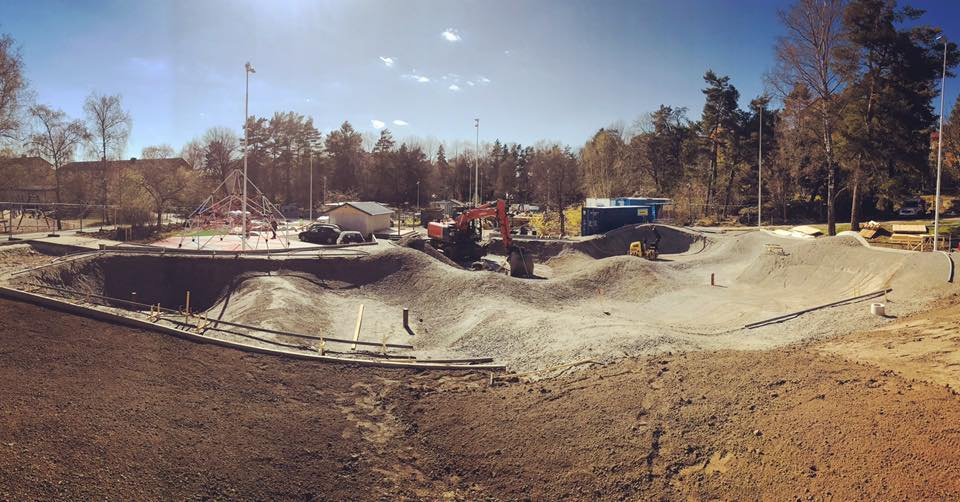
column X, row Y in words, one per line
column 903, row 228
column 868, row 233
column 911, row 238
column 356, row 331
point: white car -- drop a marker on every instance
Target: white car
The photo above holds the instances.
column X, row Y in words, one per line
column 913, row 207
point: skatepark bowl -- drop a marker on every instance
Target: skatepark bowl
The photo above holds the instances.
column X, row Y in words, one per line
column 707, row 291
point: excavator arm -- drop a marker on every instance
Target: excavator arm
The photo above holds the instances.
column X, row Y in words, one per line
column 457, row 239
column 497, row 210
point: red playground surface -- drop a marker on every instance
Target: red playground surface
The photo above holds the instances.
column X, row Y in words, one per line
column 231, row 242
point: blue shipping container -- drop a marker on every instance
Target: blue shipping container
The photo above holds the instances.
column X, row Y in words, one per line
column 655, row 203
column 598, row 220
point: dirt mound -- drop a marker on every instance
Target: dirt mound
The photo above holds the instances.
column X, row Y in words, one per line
column 420, row 244
column 19, row 256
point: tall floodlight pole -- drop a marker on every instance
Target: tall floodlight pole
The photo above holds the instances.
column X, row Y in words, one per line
column 311, row 185
column 248, row 69
column 760, row 171
column 476, row 166
column 936, row 202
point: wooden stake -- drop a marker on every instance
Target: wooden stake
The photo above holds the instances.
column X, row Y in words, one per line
column 186, row 315
column 356, row 331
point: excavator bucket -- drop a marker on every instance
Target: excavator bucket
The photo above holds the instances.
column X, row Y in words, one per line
column 521, row 262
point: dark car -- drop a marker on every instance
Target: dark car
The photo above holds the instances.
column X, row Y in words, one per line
column 321, row 233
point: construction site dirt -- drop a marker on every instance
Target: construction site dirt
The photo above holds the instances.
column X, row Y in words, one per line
column 93, row 410
column 735, row 366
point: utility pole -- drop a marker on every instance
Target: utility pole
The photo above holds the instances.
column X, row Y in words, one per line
column 248, row 69
column 760, row 171
column 476, row 166
column 936, row 202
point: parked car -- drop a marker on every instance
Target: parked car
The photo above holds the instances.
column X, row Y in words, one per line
column 321, row 233
column 913, row 207
column 290, row 211
column 350, row 237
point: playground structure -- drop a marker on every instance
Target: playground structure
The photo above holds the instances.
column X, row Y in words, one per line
column 218, row 222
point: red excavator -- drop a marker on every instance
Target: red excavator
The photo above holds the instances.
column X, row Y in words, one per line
column 460, row 239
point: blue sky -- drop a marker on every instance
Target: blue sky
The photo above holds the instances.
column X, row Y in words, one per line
column 531, row 70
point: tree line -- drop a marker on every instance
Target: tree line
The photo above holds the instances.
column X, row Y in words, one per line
column 846, row 129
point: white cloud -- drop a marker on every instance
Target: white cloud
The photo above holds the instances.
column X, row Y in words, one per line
column 400, row 123
column 451, row 35
column 454, row 87
column 470, row 83
column 418, row 78
column 388, row 61
column 377, row 124
column 507, row 52
column 484, row 80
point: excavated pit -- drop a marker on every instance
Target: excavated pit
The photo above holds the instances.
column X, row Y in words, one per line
column 598, row 304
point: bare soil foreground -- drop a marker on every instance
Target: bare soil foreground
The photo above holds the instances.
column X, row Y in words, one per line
column 96, row 411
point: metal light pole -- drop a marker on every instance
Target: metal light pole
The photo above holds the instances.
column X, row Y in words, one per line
column 248, row 69
column 311, row 186
column 418, row 196
column 476, row 166
column 760, row 172
column 936, row 202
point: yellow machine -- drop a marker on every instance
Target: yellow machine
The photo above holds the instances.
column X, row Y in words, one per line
column 643, row 250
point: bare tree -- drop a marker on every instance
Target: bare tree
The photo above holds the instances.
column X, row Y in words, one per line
column 109, row 126
column 808, row 55
column 13, row 87
column 193, row 152
column 163, row 151
column 56, row 139
column 165, row 186
column 221, row 148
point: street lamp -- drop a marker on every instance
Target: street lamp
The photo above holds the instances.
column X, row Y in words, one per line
column 760, row 171
column 936, row 202
column 311, row 185
column 476, row 166
column 248, row 69
column 418, row 196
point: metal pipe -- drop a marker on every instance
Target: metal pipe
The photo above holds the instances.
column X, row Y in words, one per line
column 791, row 315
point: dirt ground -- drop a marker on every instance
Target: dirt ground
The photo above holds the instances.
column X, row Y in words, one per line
column 93, row 410
column 96, row 411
